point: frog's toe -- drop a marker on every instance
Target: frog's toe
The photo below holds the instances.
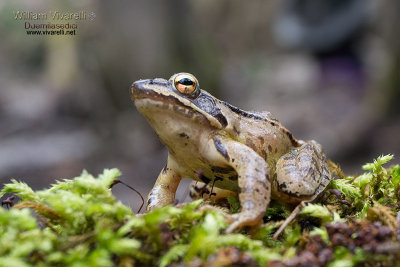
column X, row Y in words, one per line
column 232, row 227
column 243, row 219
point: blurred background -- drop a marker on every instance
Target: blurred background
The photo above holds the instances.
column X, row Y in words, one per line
column 329, row 70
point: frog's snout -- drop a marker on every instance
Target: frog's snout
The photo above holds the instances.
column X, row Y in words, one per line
column 141, row 89
column 138, row 87
column 144, row 88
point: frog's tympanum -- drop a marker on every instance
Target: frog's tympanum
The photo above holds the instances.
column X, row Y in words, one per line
column 213, row 142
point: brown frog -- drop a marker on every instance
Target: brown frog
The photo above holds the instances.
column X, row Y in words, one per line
column 213, row 142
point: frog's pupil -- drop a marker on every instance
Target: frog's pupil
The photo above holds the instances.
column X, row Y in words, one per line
column 186, row 81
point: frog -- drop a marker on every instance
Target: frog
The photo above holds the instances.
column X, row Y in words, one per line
column 228, row 149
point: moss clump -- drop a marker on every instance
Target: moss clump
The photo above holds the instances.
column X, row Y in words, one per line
column 79, row 222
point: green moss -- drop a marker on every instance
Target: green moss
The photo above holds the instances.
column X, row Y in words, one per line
column 317, row 211
column 79, row 222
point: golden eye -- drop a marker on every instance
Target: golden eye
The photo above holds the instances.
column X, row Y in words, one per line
column 185, row 83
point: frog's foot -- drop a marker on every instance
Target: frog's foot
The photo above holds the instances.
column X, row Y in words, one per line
column 208, row 192
column 199, row 190
column 225, row 212
column 235, row 221
column 246, row 218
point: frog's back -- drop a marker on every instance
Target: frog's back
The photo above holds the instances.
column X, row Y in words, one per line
column 262, row 132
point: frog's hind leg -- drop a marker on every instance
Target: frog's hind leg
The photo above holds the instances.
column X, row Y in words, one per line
column 301, row 175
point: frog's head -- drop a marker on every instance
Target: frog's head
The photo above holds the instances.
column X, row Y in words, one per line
column 178, row 99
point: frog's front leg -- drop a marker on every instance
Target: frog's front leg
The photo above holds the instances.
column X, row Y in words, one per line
column 253, row 181
column 163, row 192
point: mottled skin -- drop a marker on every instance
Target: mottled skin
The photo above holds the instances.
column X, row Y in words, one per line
column 215, row 143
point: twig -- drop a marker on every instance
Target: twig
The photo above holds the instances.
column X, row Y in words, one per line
column 117, row 181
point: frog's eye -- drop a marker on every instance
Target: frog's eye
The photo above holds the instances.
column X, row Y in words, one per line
column 185, row 83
